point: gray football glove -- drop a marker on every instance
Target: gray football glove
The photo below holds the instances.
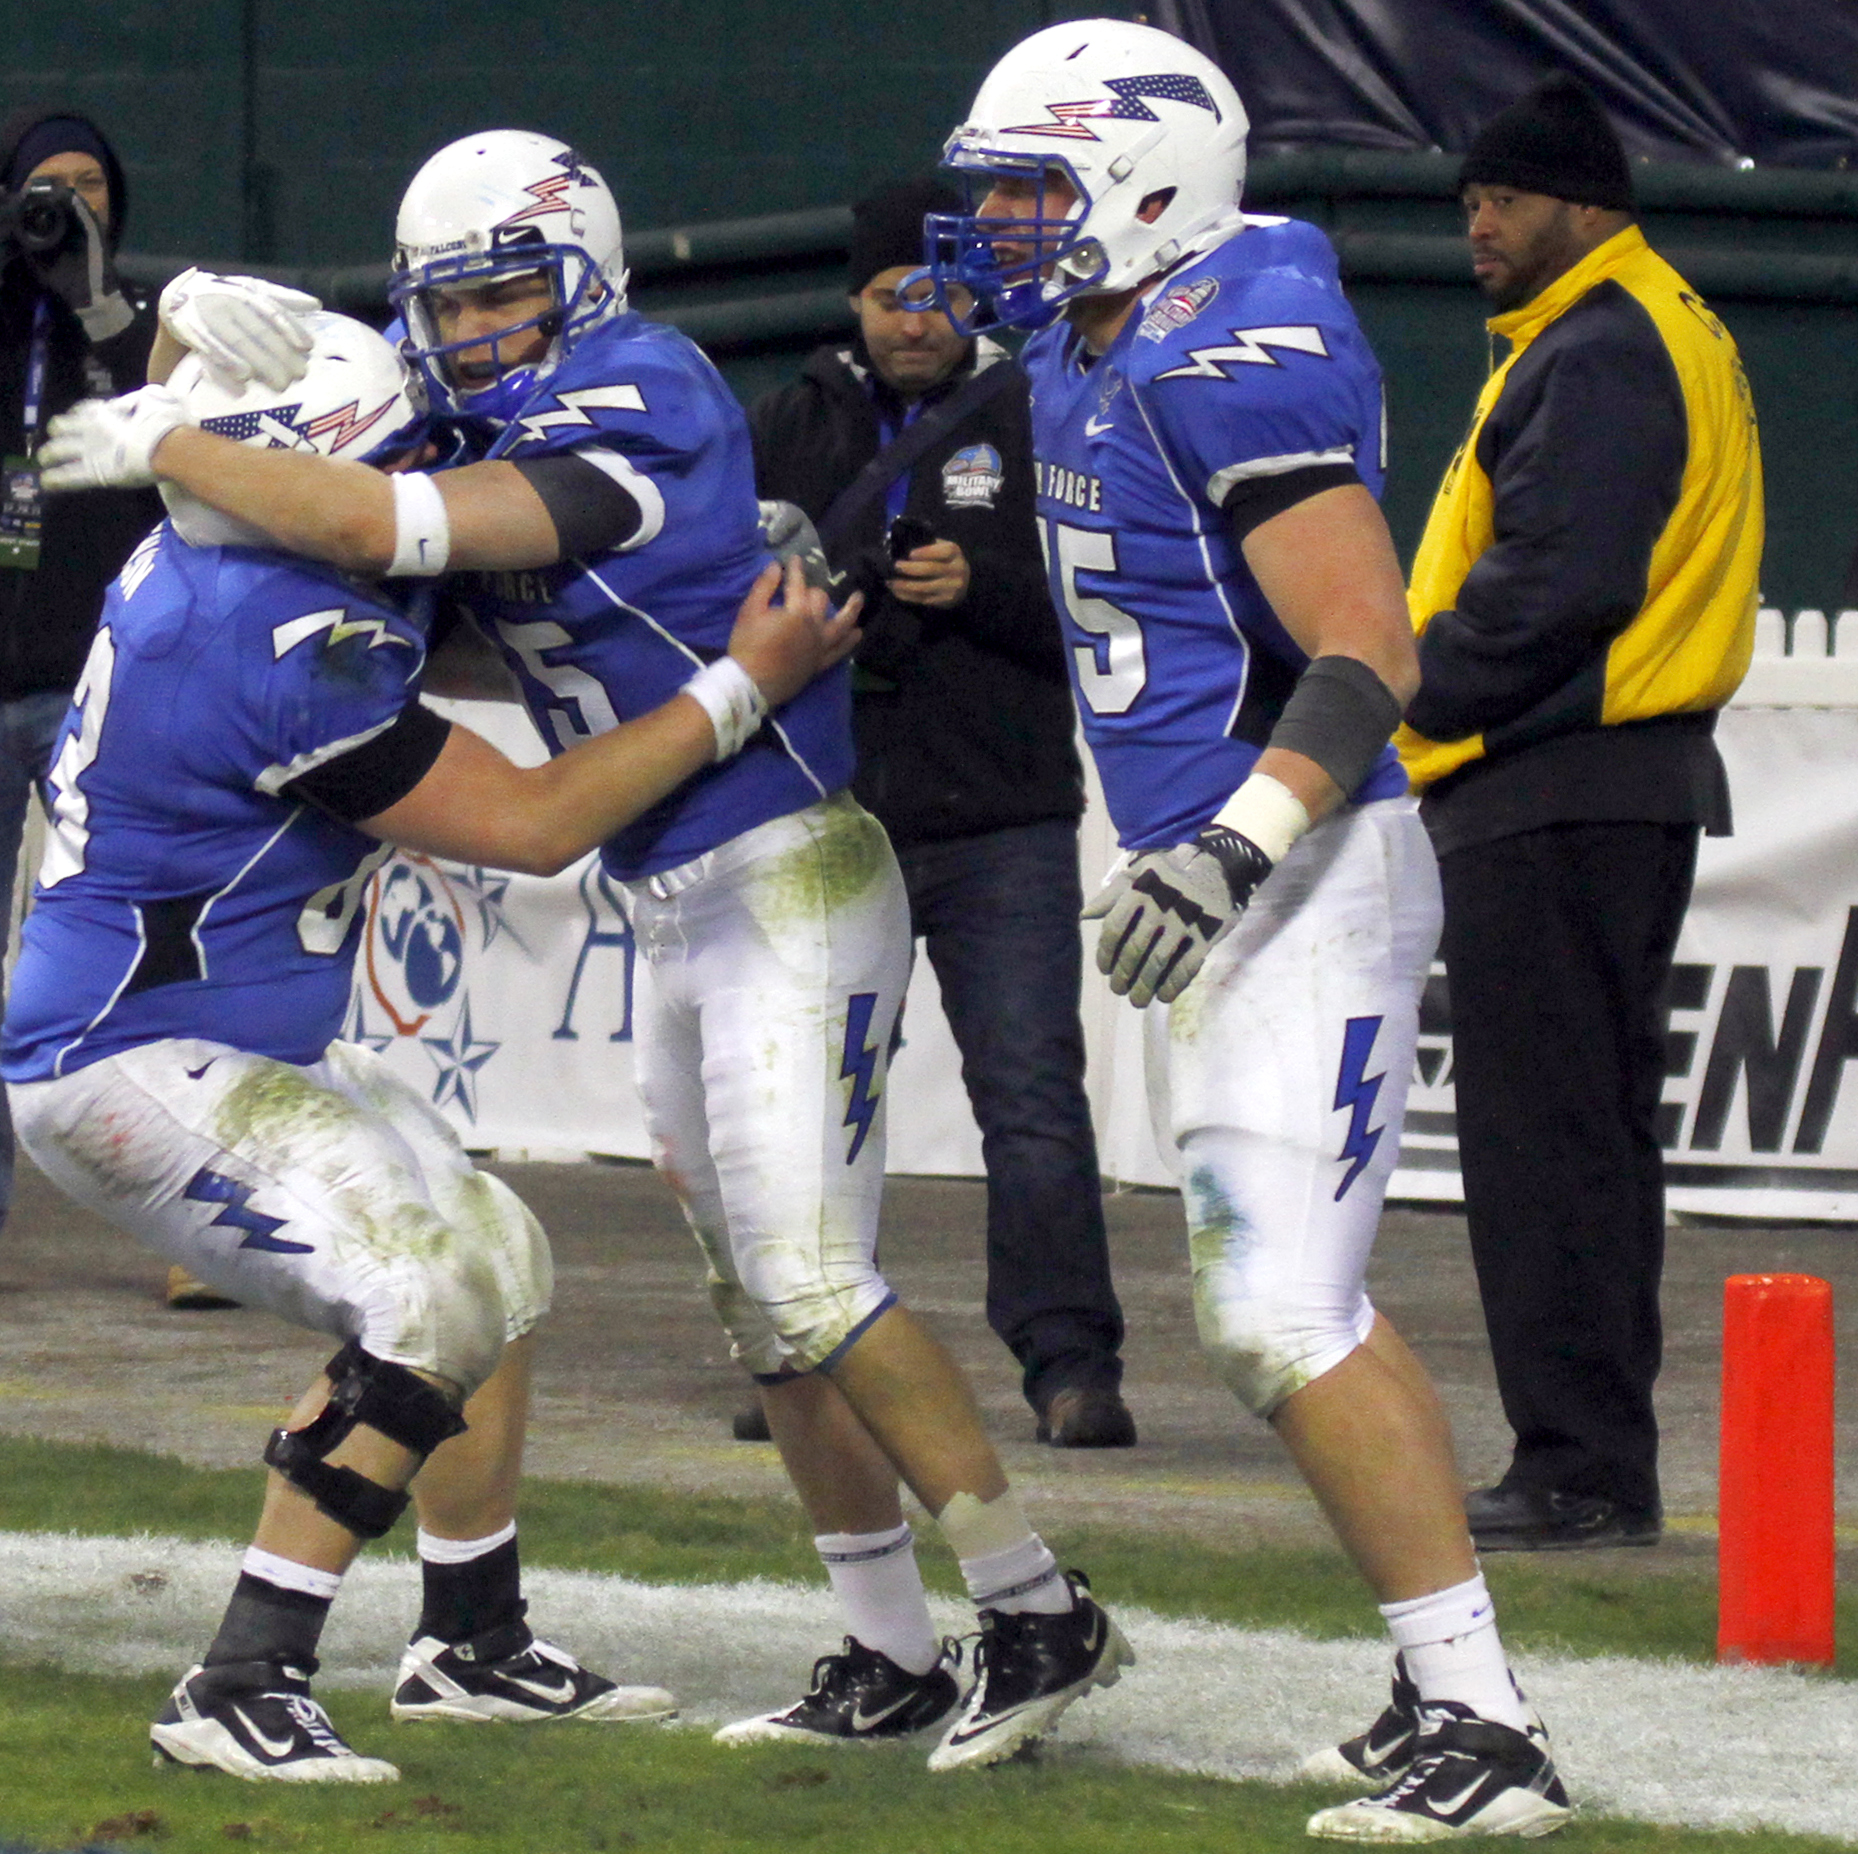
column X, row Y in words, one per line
column 107, row 443
column 242, row 327
column 787, row 530
column 1163, row 911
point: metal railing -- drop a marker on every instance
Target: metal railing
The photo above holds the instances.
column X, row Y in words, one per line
column 694, row 276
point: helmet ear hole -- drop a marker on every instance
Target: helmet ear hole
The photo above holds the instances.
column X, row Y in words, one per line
column 1155, row 204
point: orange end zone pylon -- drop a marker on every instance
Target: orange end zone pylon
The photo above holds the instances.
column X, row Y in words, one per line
column 1774, row 1549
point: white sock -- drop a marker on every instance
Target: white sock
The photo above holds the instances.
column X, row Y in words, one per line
column 1453, row 1651
column 435, row 1550
column 288, row 1574
column 1022, row 1577
column 880, row 1593
column 1004, row 1561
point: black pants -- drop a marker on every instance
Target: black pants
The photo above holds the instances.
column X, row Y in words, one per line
column 1557, row 946
column 997, row 915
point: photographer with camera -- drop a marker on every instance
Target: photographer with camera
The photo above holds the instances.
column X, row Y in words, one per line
column 68, row 331
column 911, row 451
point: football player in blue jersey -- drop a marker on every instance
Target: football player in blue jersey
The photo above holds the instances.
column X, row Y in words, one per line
column 1207, row 430
column 245, row 743
column 609, row 512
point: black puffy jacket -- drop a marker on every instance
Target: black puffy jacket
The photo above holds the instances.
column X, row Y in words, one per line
column 963, row 717
column 47, row 614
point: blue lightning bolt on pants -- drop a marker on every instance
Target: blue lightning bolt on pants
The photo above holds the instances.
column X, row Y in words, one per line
column 329, row 1193
column 771, row 972
column 1277, row 1081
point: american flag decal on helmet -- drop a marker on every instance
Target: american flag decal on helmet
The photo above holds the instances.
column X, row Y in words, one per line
column 550, row 194
column 279, row 426
column 1072, row 120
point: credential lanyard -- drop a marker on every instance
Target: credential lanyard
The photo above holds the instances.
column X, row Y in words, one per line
column 38, row 357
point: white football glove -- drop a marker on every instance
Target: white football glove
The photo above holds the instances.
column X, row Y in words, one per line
column 242, row 327
column 107, row 443
column 1163, row 911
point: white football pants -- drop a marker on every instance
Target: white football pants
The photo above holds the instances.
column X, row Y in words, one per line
column 332, row 1195
column 1277, row 1081
column 772, row 973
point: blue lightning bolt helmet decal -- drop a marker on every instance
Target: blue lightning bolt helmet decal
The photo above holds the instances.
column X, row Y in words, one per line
column 859, row 1067
column 210, row 1187
column 1356, row 1090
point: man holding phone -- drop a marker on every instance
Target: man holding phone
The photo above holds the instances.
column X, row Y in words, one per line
column 910, row 450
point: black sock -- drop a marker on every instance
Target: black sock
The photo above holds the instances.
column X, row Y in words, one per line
column 265, row 1622
column 465, row 1600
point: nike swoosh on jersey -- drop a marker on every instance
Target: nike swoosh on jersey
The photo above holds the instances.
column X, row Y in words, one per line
column 271, row 1747
column 1095, row 428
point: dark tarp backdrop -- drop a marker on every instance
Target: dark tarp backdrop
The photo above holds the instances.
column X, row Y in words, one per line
column 1772, row 82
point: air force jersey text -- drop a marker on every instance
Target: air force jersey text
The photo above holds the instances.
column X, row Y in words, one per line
column 1245, row 362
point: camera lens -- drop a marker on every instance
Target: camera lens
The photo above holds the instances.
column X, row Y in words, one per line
column 42, row 224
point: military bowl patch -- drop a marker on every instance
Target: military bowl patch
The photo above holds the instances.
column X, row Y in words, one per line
column 1177, row 308
column 971, row 479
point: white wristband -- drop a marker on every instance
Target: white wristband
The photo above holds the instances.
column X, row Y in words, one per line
column 1266, row 811
column 731, row 700
column 422, row 530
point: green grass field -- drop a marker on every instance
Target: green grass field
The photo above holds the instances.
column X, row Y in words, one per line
column 74, row 1766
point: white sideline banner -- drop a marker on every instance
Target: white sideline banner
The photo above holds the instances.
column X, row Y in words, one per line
column 508, row 1000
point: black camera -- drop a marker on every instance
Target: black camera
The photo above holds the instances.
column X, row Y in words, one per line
column 40, row 217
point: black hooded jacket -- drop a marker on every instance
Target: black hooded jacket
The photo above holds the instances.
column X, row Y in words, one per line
column 47, row 614
column 962, row 716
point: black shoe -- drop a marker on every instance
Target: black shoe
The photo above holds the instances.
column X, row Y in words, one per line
column 256, row 1719
column 859, row 1695
column 750, row 1423
column 1469, row 1776
column 1029, row 1667
column 1508, row 1517
column 505, row 1674
column 1374, row 1758
column 1384, row 1752
column 1086, row 1416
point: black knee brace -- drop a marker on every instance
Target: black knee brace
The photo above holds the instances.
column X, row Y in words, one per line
column 385, row 1397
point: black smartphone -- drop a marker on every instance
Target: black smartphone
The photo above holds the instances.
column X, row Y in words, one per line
column 905, row 536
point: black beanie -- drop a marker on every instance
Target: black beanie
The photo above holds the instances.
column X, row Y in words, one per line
column 887, row 227
column 1557, row 141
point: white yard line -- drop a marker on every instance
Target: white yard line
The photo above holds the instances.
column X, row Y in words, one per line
column 1661, row 1742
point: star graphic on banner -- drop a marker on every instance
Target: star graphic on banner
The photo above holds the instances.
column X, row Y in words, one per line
column 356, row 1029
column 458, row 1058
column 489, row 889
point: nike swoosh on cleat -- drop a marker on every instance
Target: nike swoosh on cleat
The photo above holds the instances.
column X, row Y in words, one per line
column 862, row 1721
column 271, row 1747
column 964, row 1734
column 1450, row 1805
column 557, row 1694
column 195, row 1074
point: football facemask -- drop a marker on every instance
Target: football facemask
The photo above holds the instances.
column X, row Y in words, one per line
column 1011, row 272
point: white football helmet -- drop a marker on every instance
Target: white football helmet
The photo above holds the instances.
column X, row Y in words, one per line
column 505, row 203
column 1128, row 115
column 357, row 399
